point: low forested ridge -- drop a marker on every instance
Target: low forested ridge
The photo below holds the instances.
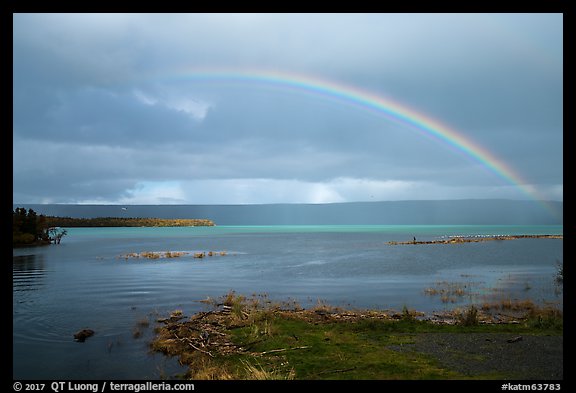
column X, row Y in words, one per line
column 125, row 222
column 29, row 228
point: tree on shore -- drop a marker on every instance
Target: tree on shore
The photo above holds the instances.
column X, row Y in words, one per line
column 56, row 234
column 30, row 228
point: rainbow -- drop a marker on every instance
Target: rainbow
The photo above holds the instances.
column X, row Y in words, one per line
column 382, row 106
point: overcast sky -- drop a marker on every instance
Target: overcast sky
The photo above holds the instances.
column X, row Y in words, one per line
column 105, row 110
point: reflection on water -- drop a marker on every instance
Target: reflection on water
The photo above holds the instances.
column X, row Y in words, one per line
column 27, row 272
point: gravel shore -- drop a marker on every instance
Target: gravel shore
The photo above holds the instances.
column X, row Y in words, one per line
column 526, row 357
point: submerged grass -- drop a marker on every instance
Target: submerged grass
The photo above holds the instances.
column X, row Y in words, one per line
column 451, row 292
column 255, row 338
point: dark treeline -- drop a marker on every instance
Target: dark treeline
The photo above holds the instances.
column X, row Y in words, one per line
column 125, row 222
column 29, row 228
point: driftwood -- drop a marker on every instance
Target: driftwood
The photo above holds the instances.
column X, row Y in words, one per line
column 198, row 349
column 280, row 350
column 192, row 345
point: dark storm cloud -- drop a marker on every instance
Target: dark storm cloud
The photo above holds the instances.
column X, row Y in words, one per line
column 100, row 113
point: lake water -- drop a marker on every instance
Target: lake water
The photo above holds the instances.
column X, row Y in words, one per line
column 86, row 282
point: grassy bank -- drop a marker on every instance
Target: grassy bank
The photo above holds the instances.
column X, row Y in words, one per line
column 254, row 338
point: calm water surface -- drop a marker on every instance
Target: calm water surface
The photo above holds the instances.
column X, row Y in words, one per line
column 85, row 282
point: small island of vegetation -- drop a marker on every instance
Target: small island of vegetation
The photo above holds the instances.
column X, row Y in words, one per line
column 475, row 239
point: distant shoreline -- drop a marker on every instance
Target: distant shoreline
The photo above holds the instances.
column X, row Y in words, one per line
column 415, row 212
column 457, row 240
column 70, row 222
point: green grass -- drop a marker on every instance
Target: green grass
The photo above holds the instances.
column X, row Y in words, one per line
column 343, row 351
column 274, row 343
column 359, row 350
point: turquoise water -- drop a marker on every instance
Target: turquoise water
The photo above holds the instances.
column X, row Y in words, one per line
column 386, row 230
column 87, row 282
